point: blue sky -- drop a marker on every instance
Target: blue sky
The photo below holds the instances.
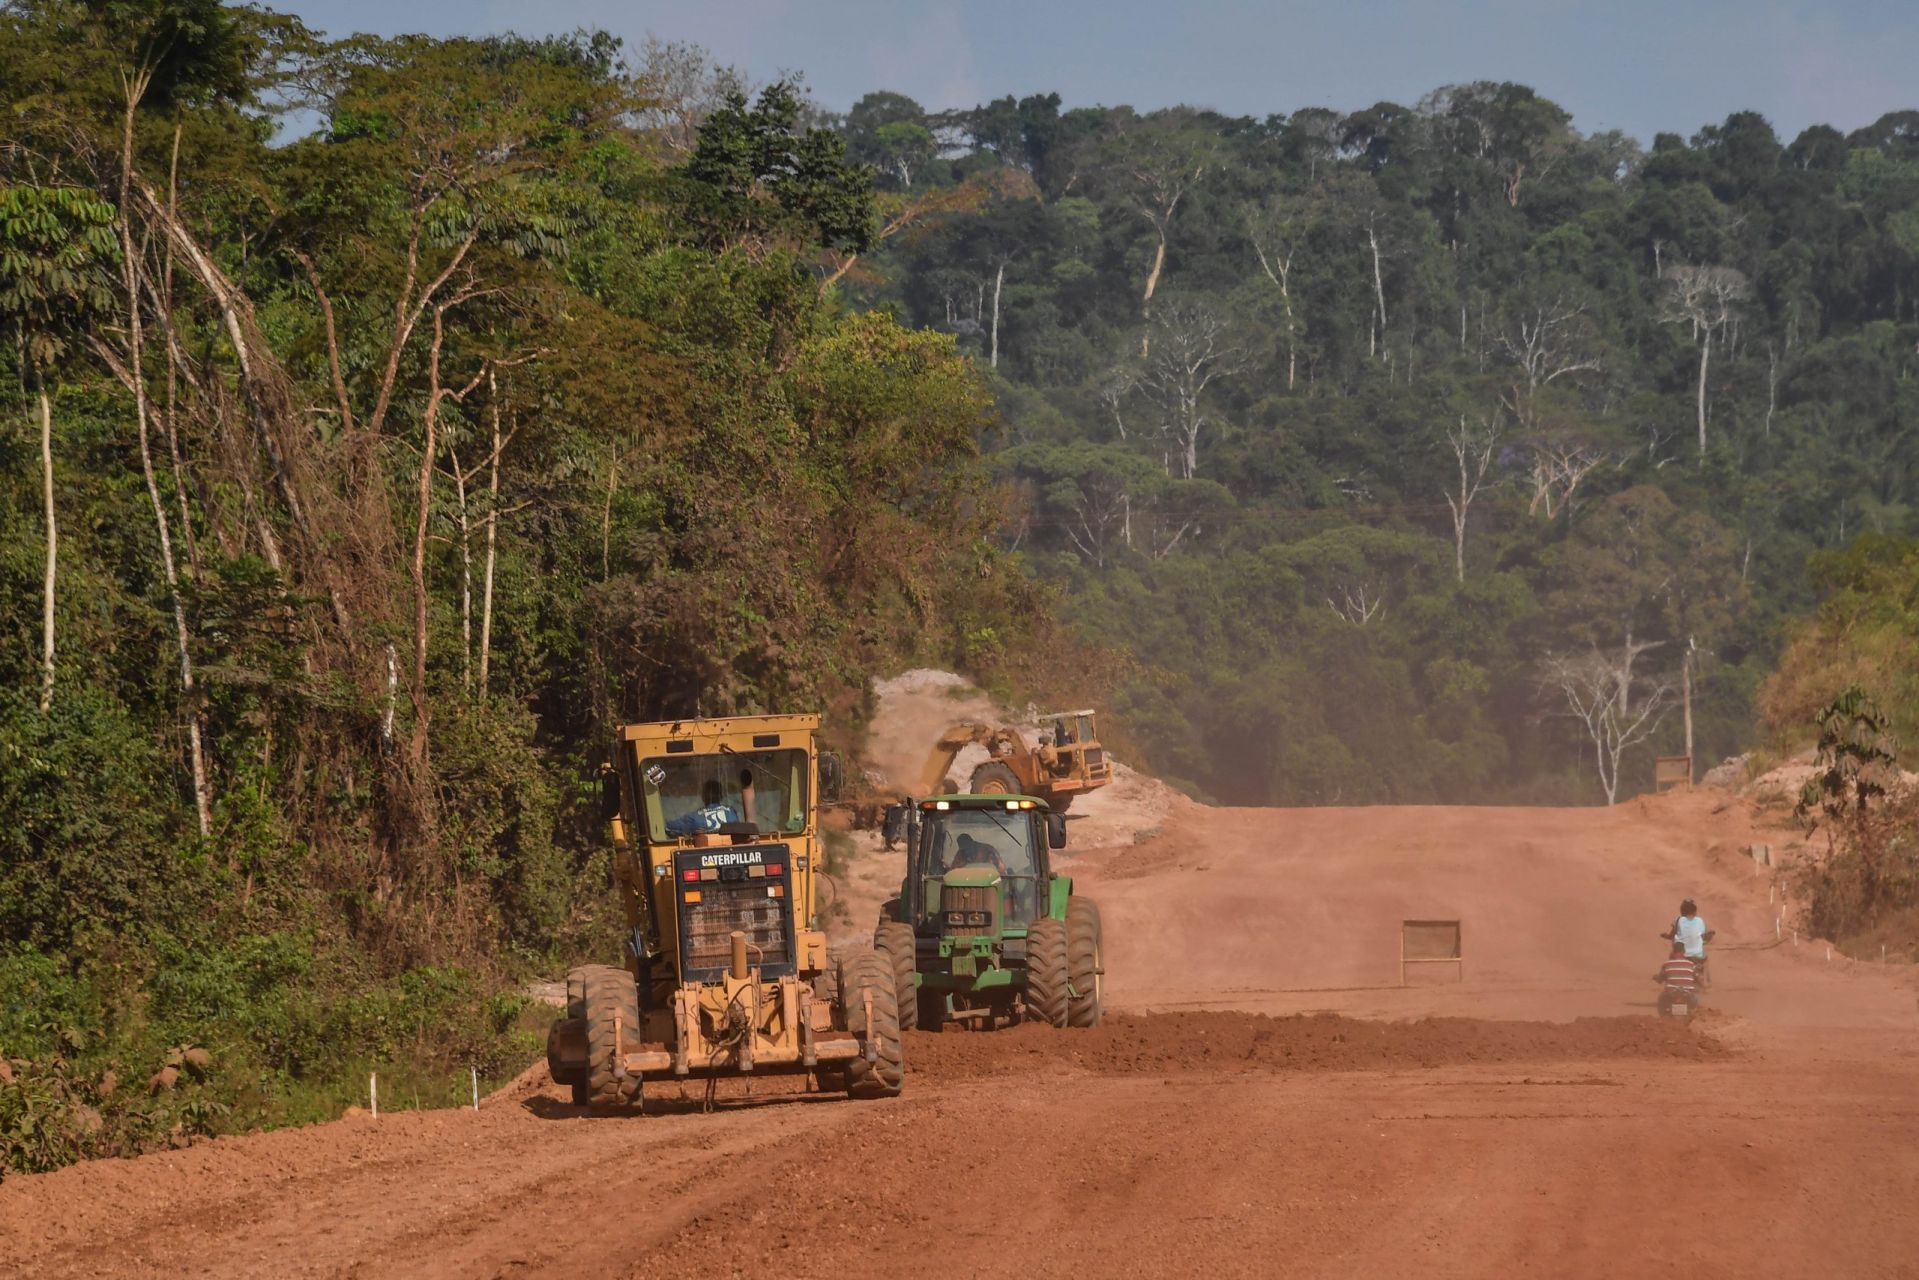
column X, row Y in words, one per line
column 1637, row 65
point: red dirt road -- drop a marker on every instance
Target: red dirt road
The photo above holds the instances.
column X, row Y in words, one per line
column 1779, row 1137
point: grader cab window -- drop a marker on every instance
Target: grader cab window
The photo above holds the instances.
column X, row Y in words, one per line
column 691, row 795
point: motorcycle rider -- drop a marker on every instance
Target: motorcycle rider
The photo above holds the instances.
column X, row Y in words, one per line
column 1690, row 931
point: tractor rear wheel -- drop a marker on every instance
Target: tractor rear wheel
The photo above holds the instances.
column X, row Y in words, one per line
column 612, row 1010
column 1047, row 974
column 894, row 941
column 1084, row 963
column 995, row 779
column 864, row 973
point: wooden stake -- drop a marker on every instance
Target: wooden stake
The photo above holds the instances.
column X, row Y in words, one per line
column 474, row 1072
column 373, row 1092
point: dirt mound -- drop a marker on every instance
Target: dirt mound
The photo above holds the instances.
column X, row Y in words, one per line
column 1218, row 1042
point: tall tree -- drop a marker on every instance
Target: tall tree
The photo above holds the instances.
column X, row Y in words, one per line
column 56, row 244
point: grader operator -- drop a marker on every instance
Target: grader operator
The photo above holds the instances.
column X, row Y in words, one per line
column 716, row 853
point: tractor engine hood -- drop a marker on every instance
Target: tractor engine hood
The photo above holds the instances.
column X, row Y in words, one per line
column 974, row 877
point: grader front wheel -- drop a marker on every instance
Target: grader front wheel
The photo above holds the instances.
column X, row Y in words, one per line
column 864, row 974
column 611, row 1006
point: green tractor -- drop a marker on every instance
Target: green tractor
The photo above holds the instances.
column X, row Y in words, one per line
column 983, row 933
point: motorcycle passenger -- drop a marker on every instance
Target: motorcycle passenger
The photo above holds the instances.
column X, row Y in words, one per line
column 1678, row 981
column 1689, row 932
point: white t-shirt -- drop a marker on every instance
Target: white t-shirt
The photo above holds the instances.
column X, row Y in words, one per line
column 1691, row 932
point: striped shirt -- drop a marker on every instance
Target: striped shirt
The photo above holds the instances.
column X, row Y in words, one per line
column 1679, row 974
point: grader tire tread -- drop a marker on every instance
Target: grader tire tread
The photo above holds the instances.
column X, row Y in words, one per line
column 1084, row 960
column 1046, row 972
column 861, row 971
column 895, row 942
column 995, row 779
column 607, row 991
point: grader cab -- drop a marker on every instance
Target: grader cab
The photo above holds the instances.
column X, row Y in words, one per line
column 716, row 857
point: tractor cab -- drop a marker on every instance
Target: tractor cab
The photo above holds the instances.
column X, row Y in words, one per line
column 988, row 854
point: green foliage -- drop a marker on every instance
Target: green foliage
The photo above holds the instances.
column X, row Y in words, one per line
column 56, row 244
column 757, row 173
column 1856, row 758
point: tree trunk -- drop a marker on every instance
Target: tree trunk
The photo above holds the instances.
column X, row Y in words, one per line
column 202, row 803
column 429, row 447
column 466, row 578
column 1685, row 696
column 1459, row 542
column 1379, row 281
column 1146, row 299
column 999, row 281
column 53, row 544
column 1705, row 354
column 492, row 537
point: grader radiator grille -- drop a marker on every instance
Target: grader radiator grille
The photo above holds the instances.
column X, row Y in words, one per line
column 748, row 891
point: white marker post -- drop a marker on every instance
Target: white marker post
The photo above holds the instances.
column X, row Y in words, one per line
column 474, row 1072
column 373, row 1092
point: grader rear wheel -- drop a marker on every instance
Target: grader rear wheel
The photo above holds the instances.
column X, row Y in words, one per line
column 1047, row 974
column 894, row 941
column 995, row 779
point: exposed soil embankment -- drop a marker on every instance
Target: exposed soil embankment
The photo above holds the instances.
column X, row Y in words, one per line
column 1218, row 1042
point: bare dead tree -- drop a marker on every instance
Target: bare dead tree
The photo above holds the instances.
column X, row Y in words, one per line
column 1558, row 467
column 1379, row 286
column 1162, row 170
column 1276, row 229
column 1192, row 353
column 1473, row 448
column 1117, row 383
column 1709, row 299
column 135, row 84
column 1616, row 705
column 683, row 86
column 1357, row 605
column 1548, row 341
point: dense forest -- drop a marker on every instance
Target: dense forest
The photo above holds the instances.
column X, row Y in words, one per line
column 388, row 418
column 1421, row 452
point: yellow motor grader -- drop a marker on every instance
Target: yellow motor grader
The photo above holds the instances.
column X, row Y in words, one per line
column 716, row 853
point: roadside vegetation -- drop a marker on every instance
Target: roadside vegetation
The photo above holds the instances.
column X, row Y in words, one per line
column 391, row 418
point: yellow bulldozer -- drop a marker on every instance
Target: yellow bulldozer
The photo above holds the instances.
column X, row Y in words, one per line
column 716, row 855
column 1067, row 761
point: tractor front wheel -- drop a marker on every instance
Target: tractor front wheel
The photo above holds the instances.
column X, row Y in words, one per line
column 1085, row 964
column 894, row 941
column 1047, row 974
